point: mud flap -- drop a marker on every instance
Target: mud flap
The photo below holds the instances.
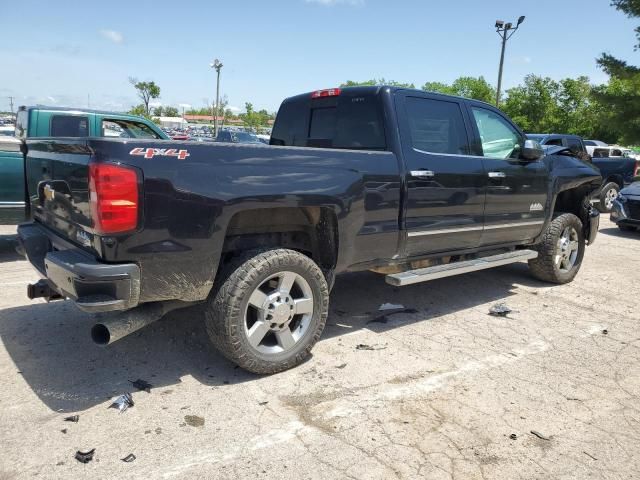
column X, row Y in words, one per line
column 592, row 225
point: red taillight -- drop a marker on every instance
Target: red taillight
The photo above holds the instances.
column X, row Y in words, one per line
column 113, row 196
column 331, row 92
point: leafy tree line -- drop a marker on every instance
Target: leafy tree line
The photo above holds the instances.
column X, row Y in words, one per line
column 541, row 104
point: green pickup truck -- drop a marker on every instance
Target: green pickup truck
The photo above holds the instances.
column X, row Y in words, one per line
column 47, row 122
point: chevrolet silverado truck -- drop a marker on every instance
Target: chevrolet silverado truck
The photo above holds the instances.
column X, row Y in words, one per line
column 413, row 185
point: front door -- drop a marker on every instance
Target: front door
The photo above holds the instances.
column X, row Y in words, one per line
column 517, row 189
column 444, row 184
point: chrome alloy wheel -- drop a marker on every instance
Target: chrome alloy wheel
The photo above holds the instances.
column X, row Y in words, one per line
column 278, row 313
column 609, row 197
column 567, row 249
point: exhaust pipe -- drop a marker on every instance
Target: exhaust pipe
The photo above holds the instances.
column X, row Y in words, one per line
column 114, row 326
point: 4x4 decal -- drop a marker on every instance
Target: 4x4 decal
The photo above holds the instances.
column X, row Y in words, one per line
column 160, row 152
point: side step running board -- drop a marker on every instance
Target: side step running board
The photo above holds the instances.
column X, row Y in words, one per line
column 440, row 271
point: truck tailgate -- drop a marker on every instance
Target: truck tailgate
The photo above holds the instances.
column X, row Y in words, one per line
column 58, row 186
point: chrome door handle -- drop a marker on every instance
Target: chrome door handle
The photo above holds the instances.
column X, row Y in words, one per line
column 497, row 175
column 422, row 173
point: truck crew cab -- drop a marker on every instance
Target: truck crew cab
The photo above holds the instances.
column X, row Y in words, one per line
column 413, row 184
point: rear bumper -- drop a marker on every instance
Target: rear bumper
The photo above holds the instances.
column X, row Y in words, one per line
column 71, row 272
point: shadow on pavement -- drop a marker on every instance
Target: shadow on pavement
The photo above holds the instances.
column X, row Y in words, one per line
column 8, row 248
column 616, row 232
column 52, row 350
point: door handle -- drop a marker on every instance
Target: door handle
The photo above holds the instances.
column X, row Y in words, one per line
column 497, row 175
column 422, row 173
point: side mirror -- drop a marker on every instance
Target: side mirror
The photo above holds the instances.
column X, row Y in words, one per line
column 531, row 151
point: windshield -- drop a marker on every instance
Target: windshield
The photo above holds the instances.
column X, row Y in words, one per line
column 536, row 136
column 243, row 137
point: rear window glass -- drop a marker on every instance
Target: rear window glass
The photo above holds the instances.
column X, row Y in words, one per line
column 347, row 121
column 127, row 129
column 69, row 126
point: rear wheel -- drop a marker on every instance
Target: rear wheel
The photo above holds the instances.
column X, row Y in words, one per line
column 607, row 195
column 269, row 310
column 561, row 251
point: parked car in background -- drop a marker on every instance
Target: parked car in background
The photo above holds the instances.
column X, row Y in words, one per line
column 41, row 122
column 626, row 208
column 617, row 171
column 11, row 175
column 7, row 131
column 237, row 137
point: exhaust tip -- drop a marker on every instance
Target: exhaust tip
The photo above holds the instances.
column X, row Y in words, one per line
column 100, row 334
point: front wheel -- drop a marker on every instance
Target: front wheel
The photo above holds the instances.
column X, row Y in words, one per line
column 561, row 250
column 268, row 310
column 608, row 194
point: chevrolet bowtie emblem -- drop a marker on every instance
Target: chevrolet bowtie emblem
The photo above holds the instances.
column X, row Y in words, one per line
column 49, row 193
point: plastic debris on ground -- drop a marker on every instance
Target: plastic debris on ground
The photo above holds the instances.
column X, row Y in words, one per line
column 129, row 458
column 72, row 418
column 364, row 346
column 123, row 402
column 85, row 457
column 390, row 306
column 142, row 385
column 539, row 435
column 385, row 318
column 513, row 436
column 500, row 310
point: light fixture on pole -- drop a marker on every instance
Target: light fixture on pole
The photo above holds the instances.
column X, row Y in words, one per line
column 503, row 30
column 217, row 65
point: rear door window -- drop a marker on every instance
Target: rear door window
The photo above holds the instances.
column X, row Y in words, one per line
column 127, row 129
column 575, row 145
column 69, row 126
column 437, row 126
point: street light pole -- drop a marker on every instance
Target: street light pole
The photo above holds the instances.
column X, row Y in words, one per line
column 503, row 30
column 217, row 65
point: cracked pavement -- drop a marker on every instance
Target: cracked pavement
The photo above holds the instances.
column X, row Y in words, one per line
column 447, row 392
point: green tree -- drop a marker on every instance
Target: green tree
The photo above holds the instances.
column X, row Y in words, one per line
column 171, row 112
column 146, row 91
column 534, row 105
column 158, row 111
column 140, row 111
column 469, row 87
column 621, row 97
column 438, row 87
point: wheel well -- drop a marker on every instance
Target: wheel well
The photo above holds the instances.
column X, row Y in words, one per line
column 617, row 179
column 309, row 230
column 575, row 200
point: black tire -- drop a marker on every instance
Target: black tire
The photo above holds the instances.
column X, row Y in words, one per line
column 545, row 267
column 626, row 228
column 228, row 305
column 605, row 194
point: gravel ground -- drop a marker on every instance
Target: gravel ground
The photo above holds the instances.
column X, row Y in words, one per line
column 446, row 391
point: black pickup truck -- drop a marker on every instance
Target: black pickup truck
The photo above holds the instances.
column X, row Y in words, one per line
column 411, row 184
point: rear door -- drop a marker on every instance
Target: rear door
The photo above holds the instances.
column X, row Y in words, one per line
column 516, row 198
column 445, row 184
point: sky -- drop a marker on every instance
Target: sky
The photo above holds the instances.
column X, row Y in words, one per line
column 71, row 53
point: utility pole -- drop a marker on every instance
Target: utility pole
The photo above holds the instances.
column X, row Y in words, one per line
column 217, row 65
column 11, row 103
column 503, row 30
